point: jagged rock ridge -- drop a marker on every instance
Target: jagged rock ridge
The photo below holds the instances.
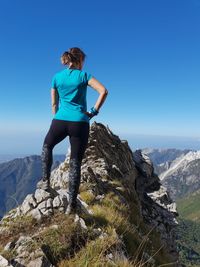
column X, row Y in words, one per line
column 106, row 158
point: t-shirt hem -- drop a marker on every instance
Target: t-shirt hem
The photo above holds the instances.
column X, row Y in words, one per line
column 70, row 120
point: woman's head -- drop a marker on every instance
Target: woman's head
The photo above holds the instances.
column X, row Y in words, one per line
column 74, row 58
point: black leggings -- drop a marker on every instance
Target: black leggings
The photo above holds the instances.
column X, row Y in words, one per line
column 78, row 133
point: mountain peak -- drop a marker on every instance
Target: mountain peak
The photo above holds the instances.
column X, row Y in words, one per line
column 118, row 188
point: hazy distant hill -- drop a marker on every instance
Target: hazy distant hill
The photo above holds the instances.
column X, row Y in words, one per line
column 19, row 177
column 8, row 157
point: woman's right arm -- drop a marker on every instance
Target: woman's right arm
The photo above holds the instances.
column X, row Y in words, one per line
column 100, row 88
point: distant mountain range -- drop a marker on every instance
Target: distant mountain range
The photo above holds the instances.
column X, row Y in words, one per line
column 179, row 170
column 162, row 158
column 8, row 157
column 18, row 177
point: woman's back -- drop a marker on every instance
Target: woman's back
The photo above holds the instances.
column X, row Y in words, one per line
column 71, row 86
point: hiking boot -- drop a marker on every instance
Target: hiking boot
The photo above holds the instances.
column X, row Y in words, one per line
column 44, row 184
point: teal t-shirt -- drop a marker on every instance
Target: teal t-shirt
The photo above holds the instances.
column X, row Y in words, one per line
column 71, row 85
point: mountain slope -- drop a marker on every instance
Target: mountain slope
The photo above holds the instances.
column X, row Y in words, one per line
column 188, row 207
column 125, row 216
column 183, row 176
column 188, row 236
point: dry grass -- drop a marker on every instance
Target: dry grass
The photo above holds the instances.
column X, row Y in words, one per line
column 87, row 197
column 70, row 245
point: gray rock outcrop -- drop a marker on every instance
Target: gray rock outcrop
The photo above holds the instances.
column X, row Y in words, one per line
column 158, row 208
column 106, row 158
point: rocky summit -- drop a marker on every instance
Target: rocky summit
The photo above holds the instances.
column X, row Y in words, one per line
column 125, row 216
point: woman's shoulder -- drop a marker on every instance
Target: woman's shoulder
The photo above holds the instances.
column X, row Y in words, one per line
column 57, row 73
column 84, row 74
column 60, row 72
column 87, row 76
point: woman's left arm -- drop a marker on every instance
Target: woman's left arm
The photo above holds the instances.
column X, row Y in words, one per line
column 54, row 100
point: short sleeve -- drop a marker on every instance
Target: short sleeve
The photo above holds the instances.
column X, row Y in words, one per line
column 87, row 77
column 53, row 82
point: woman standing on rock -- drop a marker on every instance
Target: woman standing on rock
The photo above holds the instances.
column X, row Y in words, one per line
column 71, row 118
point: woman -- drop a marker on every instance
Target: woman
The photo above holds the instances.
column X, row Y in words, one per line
column 71, row 118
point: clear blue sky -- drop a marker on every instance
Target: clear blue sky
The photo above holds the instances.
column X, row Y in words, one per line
column 146, row 53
